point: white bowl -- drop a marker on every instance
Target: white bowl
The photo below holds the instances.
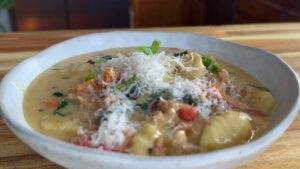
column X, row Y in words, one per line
column 269, row 69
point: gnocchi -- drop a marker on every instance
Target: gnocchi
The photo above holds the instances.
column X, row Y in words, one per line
column 59, row 127
column 262, row 101
column 144, row 139
column 194, row 66
column 228, row 129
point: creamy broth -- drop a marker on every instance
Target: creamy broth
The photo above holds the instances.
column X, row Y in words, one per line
column 60, row 77
column 51, row 87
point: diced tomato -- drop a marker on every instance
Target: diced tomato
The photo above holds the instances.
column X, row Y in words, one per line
column 51, row 103
column 187, row 113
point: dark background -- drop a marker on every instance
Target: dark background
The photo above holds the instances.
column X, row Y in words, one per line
column 29, row 15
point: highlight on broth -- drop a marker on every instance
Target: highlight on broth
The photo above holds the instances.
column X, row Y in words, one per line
column 148, row 101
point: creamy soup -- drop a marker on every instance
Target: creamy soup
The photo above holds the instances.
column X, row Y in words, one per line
column 148, row 101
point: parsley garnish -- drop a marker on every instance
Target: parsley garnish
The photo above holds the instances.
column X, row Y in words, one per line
column 103, row 59
column 181, row 53
column 211, row 64
column 57, row 94
column 124, row 84
column 91, row 62
column 89, row 76
column 62, row 105
column 189, row 99
column 153, row 49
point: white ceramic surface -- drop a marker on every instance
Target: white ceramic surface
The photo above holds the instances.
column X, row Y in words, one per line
column 269, row 69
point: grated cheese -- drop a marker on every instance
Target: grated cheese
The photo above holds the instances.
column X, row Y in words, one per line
column 150, row 72
column 113, row 131
column 148, row 69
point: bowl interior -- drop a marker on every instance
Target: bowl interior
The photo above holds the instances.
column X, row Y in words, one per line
column 268, row 69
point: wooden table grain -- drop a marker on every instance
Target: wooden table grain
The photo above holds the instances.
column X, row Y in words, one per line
column 280, row 39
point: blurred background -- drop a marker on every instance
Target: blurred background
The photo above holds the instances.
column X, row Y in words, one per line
column 32, row 15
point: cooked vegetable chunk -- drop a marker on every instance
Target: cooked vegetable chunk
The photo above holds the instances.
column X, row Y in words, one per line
column 194, row 66
column 58, row 126
column 144, row 139
column 262, row 101
column 211, row 64
column 228, row 129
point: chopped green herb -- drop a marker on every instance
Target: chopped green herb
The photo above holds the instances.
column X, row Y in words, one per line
column 89, row 76
column 211, row 64
column 153, row 49
column 143, row 102
column 108, row 57
column 181, row 53
column 57, row 94
column 124, row 84
column 91, row 62
column 103, row 59
column 143, row 106
column 62, row 105
column 103, row 116
column 145, row 50
column 155, row 46
column 189, row 99
column 164, row 94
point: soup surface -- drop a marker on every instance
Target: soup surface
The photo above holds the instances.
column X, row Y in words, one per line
column 148, row 101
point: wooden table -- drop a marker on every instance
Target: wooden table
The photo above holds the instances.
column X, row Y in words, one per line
column 281, row 39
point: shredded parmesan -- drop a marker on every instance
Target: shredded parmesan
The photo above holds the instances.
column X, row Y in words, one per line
column 112, row 132
column 150, row 72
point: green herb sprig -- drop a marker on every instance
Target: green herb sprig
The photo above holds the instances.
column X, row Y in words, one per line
column 181, row 53
column 57, row 94
column 211, row 64
column 189, row 99
column 144, row 102
column 124, row 84
column 62, row 105
column 153, row 49
column 89, row 75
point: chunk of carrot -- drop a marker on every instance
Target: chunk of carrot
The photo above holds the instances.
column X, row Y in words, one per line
column 109, row 75
column 51, row 103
